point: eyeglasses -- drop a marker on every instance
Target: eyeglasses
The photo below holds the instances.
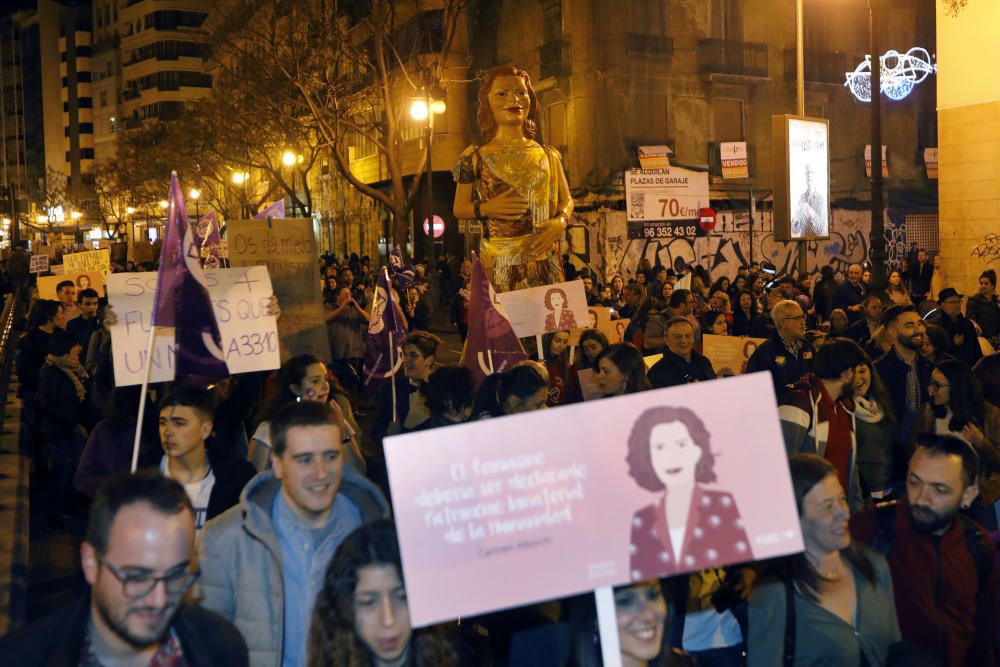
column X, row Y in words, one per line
column 797, row 318
column 935, row 385
column 137, row 586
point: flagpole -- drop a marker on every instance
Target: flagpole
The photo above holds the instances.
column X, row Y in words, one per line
column 392, row 362
column 538, row 343
column 142, row 397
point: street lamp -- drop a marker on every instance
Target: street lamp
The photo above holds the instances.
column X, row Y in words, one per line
column 879, row 279
column 195, row 194
column 289, row 158
column 75, row 216
column 241, row 178
column 424, row 108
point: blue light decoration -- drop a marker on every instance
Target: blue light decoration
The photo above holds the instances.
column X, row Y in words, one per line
column 901, row 72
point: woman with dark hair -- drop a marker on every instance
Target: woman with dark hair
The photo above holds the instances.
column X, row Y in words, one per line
column 714, row 322
column 562, row 387
column 620, row 371
column 560, row 317
column 744, row 313
column 306, row 378
column 722, row 283
column 330, row 290
column 448, row 394
column 361, row 618
column 515, row 186
column 838, row 324
column 523, row 388
column 46, row 317
column 641, row 617
column 690, row 526
column 936, row 344
column 836, row 597
column 617, row 286
column 896, row 291
column 874, row 426
column 592, row 343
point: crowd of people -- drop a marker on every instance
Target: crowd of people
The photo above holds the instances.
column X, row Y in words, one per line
column 259, row 528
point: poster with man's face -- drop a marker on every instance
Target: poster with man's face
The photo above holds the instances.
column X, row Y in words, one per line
column 808, row 179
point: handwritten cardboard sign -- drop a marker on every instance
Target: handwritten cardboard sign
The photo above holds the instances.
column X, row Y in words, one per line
column 539, row 310
column 288, row 249
column 85, row 262
column 92, row 279
column 239, row 299
column 541, row 505
column 729, row 354
column 39, row 263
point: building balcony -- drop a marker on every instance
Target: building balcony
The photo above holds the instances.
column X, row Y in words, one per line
column 743, row 59
column 641, row 44
column 820, row 66
column 555, row 59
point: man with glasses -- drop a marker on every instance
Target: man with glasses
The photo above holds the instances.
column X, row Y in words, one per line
column 137, row 558
column 786, row 354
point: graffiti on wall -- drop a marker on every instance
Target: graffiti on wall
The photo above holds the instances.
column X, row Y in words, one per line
column 988, row 249
column 732, row 245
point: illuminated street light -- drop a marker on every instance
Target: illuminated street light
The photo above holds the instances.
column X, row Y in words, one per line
column 129, row 210
column 76, row 215
column 418, row 108
column 288, row 158
column 164, row 203
column 239, row 177
column 195, row 193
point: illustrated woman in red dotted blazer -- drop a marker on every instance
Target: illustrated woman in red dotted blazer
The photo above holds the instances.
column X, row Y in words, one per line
column 559, row 317
column 689, row 527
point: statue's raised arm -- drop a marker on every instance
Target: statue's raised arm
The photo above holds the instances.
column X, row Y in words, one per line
column 515, row 186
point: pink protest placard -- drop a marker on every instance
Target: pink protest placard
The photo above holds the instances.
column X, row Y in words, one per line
column 539, row 310
column 524, row 508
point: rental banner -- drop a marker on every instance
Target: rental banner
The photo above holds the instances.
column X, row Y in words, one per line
column 540, row 310
column 239, row 299
column 541, row 505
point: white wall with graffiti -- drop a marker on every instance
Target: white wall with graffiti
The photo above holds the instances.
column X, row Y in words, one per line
column 599, row 239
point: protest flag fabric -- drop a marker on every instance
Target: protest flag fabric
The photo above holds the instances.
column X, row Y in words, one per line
column 182, row 300
column 404, row 274
column 208, row 239
column 275, row 210
column 491, row 346
column 386, row 330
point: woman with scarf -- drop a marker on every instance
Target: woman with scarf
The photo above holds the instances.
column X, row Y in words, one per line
column 59, row 402
column 874, row 425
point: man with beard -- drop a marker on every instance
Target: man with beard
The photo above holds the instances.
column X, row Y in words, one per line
column 137, row 557
column 817, row 414
column 943, row 565
column 906, row 374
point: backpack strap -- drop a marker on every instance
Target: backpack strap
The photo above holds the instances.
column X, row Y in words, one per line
column 789, row 652
column 885, row 514
column 977, row 541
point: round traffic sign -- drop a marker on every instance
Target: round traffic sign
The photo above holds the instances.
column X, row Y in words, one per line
column 438, row 227
column 706, row 218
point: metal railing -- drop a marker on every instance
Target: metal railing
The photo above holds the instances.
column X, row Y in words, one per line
column 719, row 56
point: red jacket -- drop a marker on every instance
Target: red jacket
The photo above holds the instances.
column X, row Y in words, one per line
column 936, row 585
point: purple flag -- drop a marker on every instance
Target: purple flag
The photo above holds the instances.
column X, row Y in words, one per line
column 182, row 300
column 381, row 358
column 404, row 274
column 491, row 346
column 208, row 239
column 275, row 210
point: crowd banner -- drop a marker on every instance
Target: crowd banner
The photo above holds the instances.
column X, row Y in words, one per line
column 599, row 317
column 542, row 505
column 39, row 264
column 239, row 300
column 288, row 249
column 92, row 279
column 86, row 262
column 540, row 310
column 729, row 354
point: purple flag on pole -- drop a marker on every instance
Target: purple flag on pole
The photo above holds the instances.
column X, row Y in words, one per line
column 208, row 239
column 386, row 317
column 404, row 274
column 275, row 210
column 182, row 300
column 491, row 346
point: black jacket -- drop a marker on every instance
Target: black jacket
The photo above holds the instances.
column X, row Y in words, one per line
column 60, row 410
column 860, row 332
column 985, row 312
column 785, row 367
column 919, row 278
column 31, row 352
column 969, row 351
column 208, row 639
column 672, row 370
column 893, row 371
column 847, row 295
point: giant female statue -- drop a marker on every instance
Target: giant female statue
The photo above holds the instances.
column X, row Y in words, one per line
column 514, row 186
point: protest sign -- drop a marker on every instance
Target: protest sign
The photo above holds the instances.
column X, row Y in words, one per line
column 239, row 299
column 650, row 360
column 552, row 503
column 39, row 263
column 47, row 284
column 539, row 310
column 85, row 262
column 288, row 249
column 729, row 354
column 599, row 317
column 142, row 251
